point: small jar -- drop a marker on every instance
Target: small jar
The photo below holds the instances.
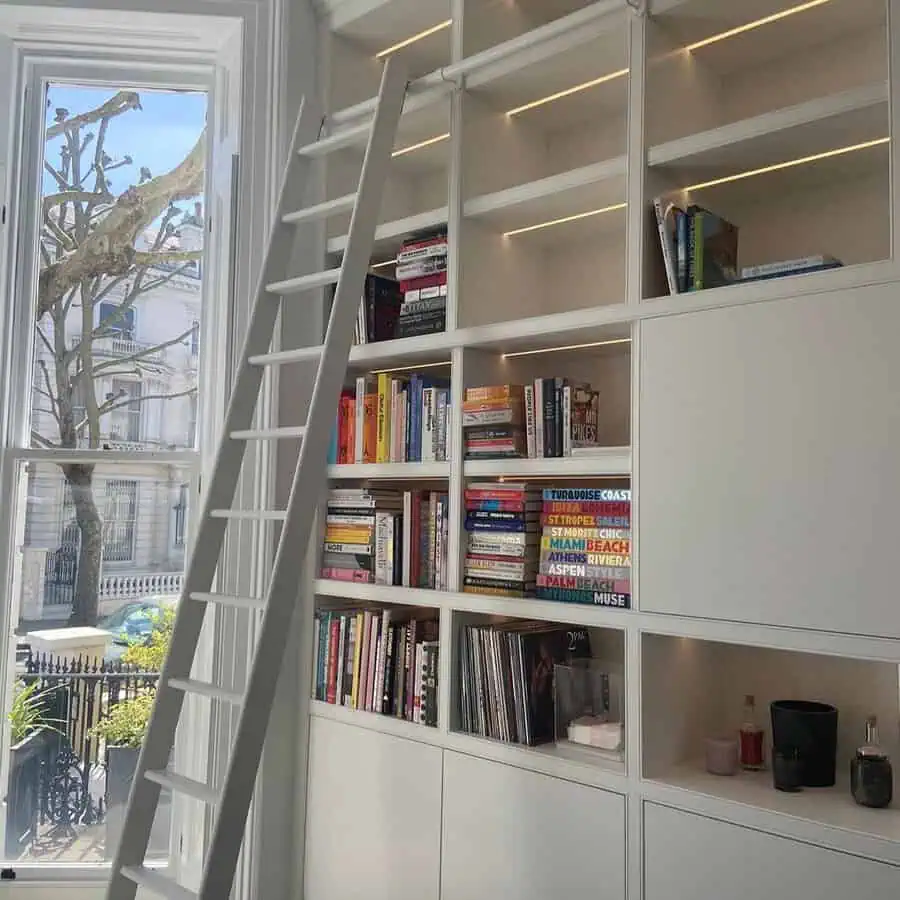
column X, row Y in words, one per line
column 871, row 773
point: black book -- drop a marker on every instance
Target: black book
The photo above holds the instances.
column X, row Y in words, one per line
column 548, row 392
column 383, row 302
column 414, row 329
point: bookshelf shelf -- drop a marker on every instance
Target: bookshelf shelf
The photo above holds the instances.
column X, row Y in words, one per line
column 530, row 608
column 393, row 471
column 569, row 193
column 376, row 722
column 379, row 593
column 851, row 827
column 608, row 462
column 389, row 235
column 816, row 126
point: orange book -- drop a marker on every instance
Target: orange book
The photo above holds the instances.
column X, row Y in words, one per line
column 495, row 392
column 370, row 428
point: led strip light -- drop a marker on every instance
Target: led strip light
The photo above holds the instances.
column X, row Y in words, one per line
column 421, row 145
column 607, row 343
column 414, row 39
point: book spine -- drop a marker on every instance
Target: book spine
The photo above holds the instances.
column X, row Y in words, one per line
column 397, row 705
column 681, row 226
column 409, row 670
column 388, row 677
column 439, row 543
column 548, row 390
column 555, row 520
column 698, row 224
column 432, row 537
column 589, row 508
column 428, row 435
column 558, row 385
column 359, row 576
column 333, row 645
column 333, row 443
column 322, row 655
column 589, row 495
column 414, row 453
column 359, row 419
column 417, row 700
column 665, row 244
column 395, row 421
column 407, row 541
column 384, row 422
column 588, row 583
column 567, row 421
column 539, row 450
column 365, row 648
column 691, row 249
column 357, row 656
column 341, row 660
column 592, row 598
column 529, row 421
column 373, row 662
column 788, row 265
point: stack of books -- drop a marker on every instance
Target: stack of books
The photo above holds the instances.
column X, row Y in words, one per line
column 561, row 419
column 494, row 422
column 699, row 248
column 379, row 311
column 586, row 546
column 363, row 536
column 387, row 537
column 506, row 678
column 392, row 418
column 422, row 273
column 380, row 661
column 502, row 534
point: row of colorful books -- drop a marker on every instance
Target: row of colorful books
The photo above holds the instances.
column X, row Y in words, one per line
column 550, row 418
column 383, row 661
column 502, row 536
column 384, row 536
column 585, row 546
column 700, row 250
column 506, row 677
column 392, row 418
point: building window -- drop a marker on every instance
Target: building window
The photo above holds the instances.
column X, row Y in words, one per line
column 116, row 321
column 119, row 521
column 125, row 424
column 181, row 513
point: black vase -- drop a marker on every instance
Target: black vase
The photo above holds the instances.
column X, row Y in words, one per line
column 808, row 731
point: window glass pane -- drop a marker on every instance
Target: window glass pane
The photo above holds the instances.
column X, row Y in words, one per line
column 117, row 337
column 67, row 783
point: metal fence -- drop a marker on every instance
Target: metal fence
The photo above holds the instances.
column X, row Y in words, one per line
column 51, row 775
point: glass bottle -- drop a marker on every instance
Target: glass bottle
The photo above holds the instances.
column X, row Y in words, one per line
column 751, row 737
column 871, row 774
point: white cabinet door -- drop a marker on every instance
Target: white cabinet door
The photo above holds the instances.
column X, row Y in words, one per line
column 690, row 857
column 373, row 823
column 509, row 833
column 769, row 476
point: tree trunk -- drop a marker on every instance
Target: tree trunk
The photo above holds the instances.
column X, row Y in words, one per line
column 86, row 602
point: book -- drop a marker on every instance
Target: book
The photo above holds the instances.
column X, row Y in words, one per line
column 715, row 249
column 789, row 267
column 667, row 225
column 379, row 310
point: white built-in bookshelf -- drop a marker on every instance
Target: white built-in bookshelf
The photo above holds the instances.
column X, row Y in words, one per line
column 756, row 425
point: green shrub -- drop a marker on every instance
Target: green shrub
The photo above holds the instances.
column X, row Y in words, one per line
column 126, row 724
column 29, row 711
column 149, row 655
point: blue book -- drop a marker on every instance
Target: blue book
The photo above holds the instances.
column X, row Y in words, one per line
column 333, row 444
column 415, row 418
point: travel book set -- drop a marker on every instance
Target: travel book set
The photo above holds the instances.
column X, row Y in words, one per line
column 550, row 418
column 700, row 250
column 378, row 660
column 414, row 302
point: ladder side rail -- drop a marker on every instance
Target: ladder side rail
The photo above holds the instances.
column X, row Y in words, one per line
column 283, row 590
column 155, row 752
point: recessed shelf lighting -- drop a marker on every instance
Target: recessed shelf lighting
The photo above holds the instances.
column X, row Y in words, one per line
column 575, row 218
column 608, row 343
column 603, row 79
column 381, row 265
column 750, row 26
column 412, row 40
column 421, row 145
column 431, row 365
column 790, row 164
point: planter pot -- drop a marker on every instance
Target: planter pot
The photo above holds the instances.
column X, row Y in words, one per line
column 121, row 764
column 23, row 798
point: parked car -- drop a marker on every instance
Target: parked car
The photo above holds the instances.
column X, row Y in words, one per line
column 132, row 623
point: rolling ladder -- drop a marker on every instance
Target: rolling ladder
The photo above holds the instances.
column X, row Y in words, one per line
column 232, row 798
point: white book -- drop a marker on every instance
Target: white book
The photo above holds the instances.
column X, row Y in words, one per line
column 665, row 223
column 342, row 646
column 360, row 422
column 383, row 528
column 429, row 443
column 787, row 265
column 539, row 418
column 407, row 538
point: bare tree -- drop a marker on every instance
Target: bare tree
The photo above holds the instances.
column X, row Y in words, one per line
column 94, row 249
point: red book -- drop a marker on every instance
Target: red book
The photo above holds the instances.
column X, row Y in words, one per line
column 359, row 575
column 331, row 690
column 425, row 281
column 599, row 508
column 514, row 506
column 484, row 494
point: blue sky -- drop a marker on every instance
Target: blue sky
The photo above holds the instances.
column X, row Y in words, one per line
column 158, row 136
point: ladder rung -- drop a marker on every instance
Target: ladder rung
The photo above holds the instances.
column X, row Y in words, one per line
column 269, row 434
column 171, row 781
column 304, row 282
column 157, row 883
column 346, row 137
column 253, row 515
column 205, row 689
column 230, row 600
column 321, row 210
column 283, row 357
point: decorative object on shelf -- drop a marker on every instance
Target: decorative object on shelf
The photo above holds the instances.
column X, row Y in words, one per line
column 586, row 546
column 809, row 729
column 722, row 756
column 871, row 773
column 787, row 770
column 589, row 703
column 751, row 737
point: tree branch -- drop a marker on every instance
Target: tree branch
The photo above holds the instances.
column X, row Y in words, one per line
column 143, row 258
column 115, row 106
column 67, row 196
column 38, row 438
column 134, row 357
column 111, row 405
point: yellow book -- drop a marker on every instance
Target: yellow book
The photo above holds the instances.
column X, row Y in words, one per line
column 383, row 450
column 357, row 652
column 347, row 536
